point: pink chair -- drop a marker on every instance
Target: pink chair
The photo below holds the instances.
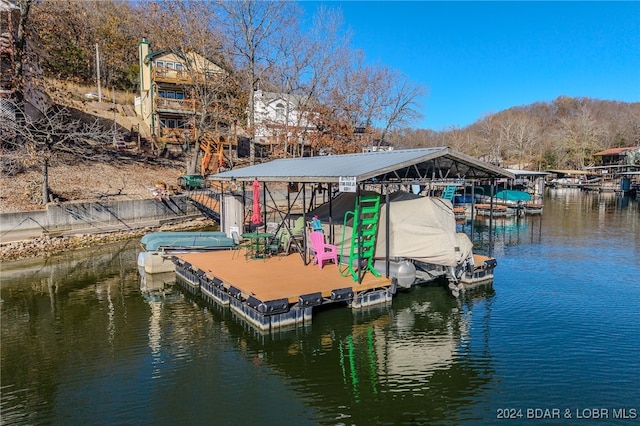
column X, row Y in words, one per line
column 322, row 250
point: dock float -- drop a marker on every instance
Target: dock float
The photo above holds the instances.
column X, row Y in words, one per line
column 276, row 292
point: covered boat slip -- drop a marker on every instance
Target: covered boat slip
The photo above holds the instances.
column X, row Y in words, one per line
column 383, row 171
column 283, row 289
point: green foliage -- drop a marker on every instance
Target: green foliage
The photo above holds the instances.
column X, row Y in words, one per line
column 67, row 61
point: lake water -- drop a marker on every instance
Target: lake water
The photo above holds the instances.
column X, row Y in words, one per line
column 556, row 336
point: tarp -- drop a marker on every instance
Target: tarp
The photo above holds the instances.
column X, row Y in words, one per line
column 511, row 195
column 421, row 228
column 346, row 201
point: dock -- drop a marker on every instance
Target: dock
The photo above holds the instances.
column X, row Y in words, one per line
column 278, row 291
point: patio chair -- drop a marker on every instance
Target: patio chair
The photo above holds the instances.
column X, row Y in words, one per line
column 240, row 243
column 287, row 236
column 273, row 245
column 322, row 250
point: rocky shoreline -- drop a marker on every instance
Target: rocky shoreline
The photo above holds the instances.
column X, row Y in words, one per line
column 47, row 246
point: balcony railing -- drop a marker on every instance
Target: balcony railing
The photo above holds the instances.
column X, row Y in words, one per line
column 169, row 75
column 176, row 104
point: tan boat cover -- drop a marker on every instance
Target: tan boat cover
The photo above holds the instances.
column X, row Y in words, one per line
column 422, row 229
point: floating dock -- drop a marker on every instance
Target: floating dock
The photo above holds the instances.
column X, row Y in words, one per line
column 276, row 292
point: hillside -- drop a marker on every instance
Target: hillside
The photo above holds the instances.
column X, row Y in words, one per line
column 71, row 181
column 125, row 174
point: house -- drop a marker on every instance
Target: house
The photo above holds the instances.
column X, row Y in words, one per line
column 169, row 81
column 282, row 121
column 615, row 167
column 618, row 156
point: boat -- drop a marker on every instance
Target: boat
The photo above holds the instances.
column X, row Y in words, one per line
column 460, row 212
column 159, row 246
column 186, row 241
column 495, row 210
column 424, row 246
column 509, row 202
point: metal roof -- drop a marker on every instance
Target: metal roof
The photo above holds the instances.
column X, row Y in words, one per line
column 530, row 173
column 396, row 166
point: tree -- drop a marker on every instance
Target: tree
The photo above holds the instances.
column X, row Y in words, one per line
column 40, row 141
column 579, row 133
column 402, row 105
column 303, row 74
column 70, row 30
column 251, row 31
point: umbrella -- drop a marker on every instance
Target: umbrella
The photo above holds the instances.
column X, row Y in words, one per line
column 255, row 217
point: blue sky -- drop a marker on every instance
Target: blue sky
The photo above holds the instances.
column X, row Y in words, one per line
column 478, row 58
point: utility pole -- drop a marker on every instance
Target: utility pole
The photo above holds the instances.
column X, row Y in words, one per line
column 98, row 73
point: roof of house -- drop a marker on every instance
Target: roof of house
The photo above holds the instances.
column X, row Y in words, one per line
column 157, row 53
column 615, row 151
column 397, row 166
column 269, row 97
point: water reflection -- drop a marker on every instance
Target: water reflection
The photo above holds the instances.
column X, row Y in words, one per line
column 87, row 339
column 410, row 356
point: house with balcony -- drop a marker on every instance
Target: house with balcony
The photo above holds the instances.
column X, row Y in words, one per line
column 616, row 169
column 282, row 122
column 167, row 103
column 618, row 156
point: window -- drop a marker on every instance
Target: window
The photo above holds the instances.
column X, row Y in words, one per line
column 173, row 123
column 280, row 112
column 170, row 94
column 179, row 66
column 160, row 64
column 169, row 65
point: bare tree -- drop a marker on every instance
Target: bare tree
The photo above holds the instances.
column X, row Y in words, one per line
column 402, row 107
column 579, row 133
column 251, row 31
column 524, row 139
column 304, row 73
column 40, row 141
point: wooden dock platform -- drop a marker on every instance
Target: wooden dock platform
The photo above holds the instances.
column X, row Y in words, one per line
column 278, row 291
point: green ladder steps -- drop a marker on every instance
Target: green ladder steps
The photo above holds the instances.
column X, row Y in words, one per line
column 363, row 236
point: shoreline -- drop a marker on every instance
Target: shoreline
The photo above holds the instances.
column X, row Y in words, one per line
column 46, row 246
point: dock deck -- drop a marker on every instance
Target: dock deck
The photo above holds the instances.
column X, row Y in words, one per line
column 276, row 291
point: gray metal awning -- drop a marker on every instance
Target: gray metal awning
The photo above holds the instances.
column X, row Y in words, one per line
column 527, row 173
column 397, row 166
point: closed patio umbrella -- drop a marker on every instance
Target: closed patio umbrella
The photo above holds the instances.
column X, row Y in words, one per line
column 255, row 217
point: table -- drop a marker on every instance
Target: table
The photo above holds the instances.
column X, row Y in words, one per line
column 257, row 249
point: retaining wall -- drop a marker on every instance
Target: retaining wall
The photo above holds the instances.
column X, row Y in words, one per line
column 97, row 215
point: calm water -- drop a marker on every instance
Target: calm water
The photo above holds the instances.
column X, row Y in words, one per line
column 85, row 342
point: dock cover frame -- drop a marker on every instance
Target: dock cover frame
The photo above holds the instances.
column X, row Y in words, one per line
column 405, row 166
